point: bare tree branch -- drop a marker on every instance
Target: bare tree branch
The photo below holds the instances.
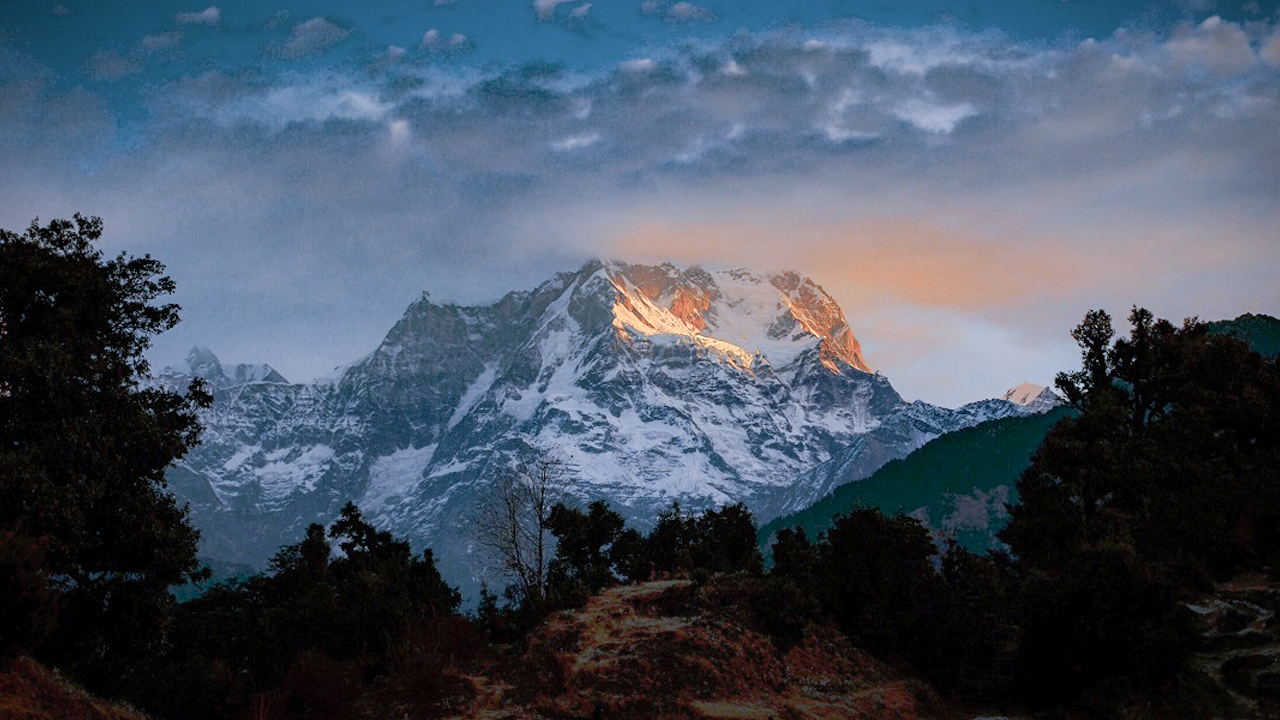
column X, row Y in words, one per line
column 511, row 523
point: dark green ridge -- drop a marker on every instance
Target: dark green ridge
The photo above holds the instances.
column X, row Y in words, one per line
column 954, row 466
column 1262, row 332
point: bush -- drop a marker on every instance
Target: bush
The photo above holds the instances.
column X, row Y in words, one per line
column 28, row 602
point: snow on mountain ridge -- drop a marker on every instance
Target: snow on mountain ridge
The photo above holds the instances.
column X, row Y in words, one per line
column 202, row 363
column 1023, row 393
column 736, row 312
column 1035, row 398
column 654, row 383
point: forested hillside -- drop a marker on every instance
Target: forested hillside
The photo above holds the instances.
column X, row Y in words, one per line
column 957, row 485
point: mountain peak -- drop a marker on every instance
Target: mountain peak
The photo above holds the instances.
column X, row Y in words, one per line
column 1032, row 396
column 654, row 382
column 203, row 363
column 740, row 313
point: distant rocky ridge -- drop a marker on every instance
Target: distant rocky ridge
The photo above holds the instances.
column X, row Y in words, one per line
column 653, row 382
column 202, row 363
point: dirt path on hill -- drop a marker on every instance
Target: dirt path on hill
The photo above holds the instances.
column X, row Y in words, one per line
column 661, row 650
column 612, row 619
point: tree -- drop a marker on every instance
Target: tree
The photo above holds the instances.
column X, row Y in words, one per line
column 380, row 586
column 717, row 541
column 1168, row 479
column 726, row 541
column 629, row 555
column 670, row 544
column 1175, row 453
column 84, row 445
column 794, row 557
column 879, row 582
column 317, row 632
column 583, row 563
column 512, row 526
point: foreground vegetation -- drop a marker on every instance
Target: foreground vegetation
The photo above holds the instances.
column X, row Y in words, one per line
column 1134, row 514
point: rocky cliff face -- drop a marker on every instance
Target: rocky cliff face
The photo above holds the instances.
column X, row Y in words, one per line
column 654, row 383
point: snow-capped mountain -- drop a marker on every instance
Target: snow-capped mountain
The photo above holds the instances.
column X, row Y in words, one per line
column 1034, row 398
column 653, row 383
column 202, row 363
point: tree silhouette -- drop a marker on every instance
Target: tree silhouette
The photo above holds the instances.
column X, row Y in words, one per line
column 84, row 445
column 1167, row 480
column 512, row 524
column 1175, row 453
column 582, row 564
column 726, row 541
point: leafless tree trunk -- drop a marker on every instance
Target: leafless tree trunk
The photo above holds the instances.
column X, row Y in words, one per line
column 511, row 522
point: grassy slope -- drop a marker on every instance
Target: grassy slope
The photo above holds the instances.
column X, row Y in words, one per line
column 957, row 478
column 30, row 691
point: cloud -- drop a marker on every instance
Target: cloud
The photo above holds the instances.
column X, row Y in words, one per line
column 964, row 196
column 1270, row 51
column 897, row 258
column 160, row 42
column 546, row 9
column 638, row 65
column 1216, row 45
column 232, row 102
column 930, row 117
column 681, row 12
column 108, row 65
column 311, row 37
column 576, row 142
column 688, row 12
column 285, row 106
column 62, row 11
column 434, row 41
column 920, row 50
column 581, row 11
column 211, row 15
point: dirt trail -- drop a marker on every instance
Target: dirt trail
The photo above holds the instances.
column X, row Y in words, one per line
column 662, row 650
column 1239, row 642
column 614, row 618
column 488, row 703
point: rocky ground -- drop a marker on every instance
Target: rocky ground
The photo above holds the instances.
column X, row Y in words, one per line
column 1238, row 643
column 657, row 650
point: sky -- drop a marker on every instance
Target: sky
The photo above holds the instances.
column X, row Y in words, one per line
column 965, row 179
